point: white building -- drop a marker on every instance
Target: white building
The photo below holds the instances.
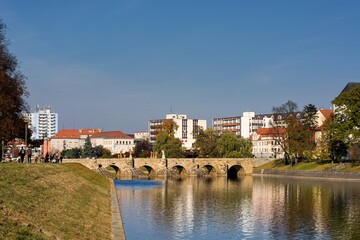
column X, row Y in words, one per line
column 242, row 126
column 186, row 128
column 266, row 143
column 115, row 141
column 71, row 138
column 43, row 122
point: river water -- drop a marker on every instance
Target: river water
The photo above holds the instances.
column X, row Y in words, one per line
column 250, row 207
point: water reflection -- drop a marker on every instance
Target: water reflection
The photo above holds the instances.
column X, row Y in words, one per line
column 246, row 208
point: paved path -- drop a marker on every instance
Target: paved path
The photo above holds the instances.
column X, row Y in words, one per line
column 117, row 225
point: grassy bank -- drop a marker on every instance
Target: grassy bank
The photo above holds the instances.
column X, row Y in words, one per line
column 47, row 201
column 311, row 166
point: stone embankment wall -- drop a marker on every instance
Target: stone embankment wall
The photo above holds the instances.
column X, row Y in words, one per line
column 307, row 174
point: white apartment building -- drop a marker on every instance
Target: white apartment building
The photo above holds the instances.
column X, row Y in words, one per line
column 242, row 126
column 43, row 122
column 186, row 128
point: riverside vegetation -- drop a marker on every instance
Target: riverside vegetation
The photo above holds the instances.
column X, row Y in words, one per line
column 53, row 201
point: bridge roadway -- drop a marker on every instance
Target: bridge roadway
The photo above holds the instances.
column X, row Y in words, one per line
column 169, row 166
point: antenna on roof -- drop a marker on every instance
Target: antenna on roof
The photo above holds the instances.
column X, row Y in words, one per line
column 170, row 109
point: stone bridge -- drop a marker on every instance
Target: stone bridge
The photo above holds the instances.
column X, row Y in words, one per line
column 230, row 167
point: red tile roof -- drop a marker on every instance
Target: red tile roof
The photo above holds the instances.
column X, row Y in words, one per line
column 89, row 131
column 111, row 135
column 326, row 113
column 271, row 131
column 67, row 133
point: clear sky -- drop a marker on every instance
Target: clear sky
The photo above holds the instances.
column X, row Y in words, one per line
column 117, row 64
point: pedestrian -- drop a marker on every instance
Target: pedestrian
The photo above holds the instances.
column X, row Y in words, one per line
column 29, row 154
column 22, row 154
column 47, row 157
column 36, row 156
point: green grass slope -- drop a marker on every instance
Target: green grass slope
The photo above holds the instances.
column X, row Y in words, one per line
column 53, row 201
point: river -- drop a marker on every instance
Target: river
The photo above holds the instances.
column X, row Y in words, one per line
column 251, row 207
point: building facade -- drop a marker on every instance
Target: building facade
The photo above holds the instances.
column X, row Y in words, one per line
column 242, row 126
column 71, row 138
column 266, row 143
column 116, row 142
column 186, row 131
column 43, row 122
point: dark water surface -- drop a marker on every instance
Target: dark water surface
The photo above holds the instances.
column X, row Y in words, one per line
column 249, row 208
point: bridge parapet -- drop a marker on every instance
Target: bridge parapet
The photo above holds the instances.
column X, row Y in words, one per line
column 159, row 166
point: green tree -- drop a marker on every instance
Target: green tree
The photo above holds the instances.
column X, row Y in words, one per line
column 169, row 144
column 88, row 150
column 142, row 149
column 206, row 141
column 71, row 153
column 166, row 141
column 346, row 123
column 310, row 116
column 12, row 93
column 230, row 146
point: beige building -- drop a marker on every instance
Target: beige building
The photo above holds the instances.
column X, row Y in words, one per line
column 116, row 142
column 266, row 143
column 71, row 138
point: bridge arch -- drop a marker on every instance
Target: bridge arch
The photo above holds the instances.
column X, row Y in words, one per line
column 178, row 170
column 234, row 171
column 147, row 170
column 208, row 169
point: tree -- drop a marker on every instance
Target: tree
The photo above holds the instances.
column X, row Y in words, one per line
column 346, row 123
column 88, row 150
column 288, row 107
column 281, row 113
column 142, row 149
column 71, row 153
column 169, row 144
column 166, row 141
column 323, row 147
column 12, row 93
column 230, row 146
column 206, row 141
column 298, row 139
column 310, row 116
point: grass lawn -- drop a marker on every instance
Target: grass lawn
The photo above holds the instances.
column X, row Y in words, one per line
column 307, row 166
column 48, row 201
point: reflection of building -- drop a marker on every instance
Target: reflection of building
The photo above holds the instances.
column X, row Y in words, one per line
column 186, row 128
column 43, row 122
column 115, row 141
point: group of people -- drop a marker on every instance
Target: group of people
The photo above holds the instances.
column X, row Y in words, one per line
column 28, row 155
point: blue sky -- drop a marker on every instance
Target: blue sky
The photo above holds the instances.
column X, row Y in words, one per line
column 116, row 64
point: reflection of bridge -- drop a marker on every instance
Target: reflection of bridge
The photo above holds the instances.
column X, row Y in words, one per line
column 171, row 166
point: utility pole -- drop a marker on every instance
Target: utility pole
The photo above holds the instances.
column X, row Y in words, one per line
column 26, row 128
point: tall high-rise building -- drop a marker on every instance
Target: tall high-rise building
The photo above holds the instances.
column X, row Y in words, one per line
column 43, row 122
column 186, row 128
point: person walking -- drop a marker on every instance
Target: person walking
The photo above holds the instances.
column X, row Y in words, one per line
column 22, row 154
column 29, row 154
column 36, row 156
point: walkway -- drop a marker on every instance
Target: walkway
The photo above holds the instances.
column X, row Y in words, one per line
column 117, row 225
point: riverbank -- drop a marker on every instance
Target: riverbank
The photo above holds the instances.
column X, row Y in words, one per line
column 310, row 170
column 54, row 201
